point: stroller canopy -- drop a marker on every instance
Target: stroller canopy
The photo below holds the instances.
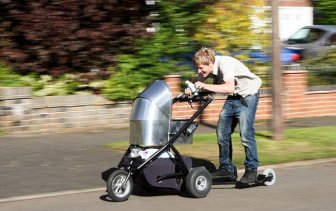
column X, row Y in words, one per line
column 151, row 115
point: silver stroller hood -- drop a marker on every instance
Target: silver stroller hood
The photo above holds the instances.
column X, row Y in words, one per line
column 151, row 115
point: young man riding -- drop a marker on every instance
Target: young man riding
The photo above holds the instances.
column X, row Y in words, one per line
column 232, row 77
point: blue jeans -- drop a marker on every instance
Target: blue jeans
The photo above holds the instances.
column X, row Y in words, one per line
column 235, row 112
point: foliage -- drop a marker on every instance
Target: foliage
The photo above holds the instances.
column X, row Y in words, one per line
column 328, row 59
column 322, row 70
column 326, row 12
column 261, row 69
column 233, row 29
column 8, row 78
column 158, row 55
column 46, row 85
column 111, row 35
column 234, row 25
column 62, row 36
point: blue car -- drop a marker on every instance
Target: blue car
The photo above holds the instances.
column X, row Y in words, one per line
column 287, row 56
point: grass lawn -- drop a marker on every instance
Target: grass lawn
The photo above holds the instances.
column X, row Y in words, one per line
column 300, row 144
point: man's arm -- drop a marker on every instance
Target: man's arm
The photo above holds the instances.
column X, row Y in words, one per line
column 226, row 88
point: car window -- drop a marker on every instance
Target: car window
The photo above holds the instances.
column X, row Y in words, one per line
column 306, row 35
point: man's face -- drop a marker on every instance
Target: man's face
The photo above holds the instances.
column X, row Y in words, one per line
column 204, row 70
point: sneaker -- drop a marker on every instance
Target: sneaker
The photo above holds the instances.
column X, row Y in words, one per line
column 250, row 176
column 223, row 173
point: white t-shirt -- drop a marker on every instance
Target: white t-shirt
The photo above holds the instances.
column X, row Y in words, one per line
column 246, row 83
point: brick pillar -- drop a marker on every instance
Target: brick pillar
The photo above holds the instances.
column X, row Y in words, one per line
column 174, row 82
column 295, row 84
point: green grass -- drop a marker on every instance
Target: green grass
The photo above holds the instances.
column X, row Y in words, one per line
column 299, row 144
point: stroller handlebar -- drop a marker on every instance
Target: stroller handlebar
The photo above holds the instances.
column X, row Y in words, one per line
column 200, row 97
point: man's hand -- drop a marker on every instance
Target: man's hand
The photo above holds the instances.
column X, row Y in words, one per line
column 187, row 91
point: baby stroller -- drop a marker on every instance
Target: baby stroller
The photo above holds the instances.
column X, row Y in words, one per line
column 152, row 161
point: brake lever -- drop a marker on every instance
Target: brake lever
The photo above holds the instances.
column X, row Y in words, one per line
column 190, row 103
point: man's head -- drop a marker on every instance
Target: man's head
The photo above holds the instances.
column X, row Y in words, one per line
column 204, row 60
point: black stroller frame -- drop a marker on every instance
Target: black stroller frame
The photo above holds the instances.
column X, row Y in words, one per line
column 205, row 102
column 134, row 168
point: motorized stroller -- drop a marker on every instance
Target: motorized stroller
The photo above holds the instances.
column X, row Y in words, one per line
column 152, row 161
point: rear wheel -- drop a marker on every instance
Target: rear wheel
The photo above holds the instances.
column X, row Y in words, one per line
column 117, row 187
column 198, row 182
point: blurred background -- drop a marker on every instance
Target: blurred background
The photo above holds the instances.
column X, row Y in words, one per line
column 115, row 48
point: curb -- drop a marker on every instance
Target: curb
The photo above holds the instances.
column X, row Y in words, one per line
column 70, row 192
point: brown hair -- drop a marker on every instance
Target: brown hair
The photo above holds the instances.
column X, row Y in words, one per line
column 204, row 56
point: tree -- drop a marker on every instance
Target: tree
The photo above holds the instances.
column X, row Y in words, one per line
column 59, row 36
column 234, row 25
column 175, row 22
column 326, row 12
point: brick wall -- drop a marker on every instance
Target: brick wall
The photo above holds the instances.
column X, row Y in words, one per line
column 302, row 103
column 297, row 101
column 20, row 112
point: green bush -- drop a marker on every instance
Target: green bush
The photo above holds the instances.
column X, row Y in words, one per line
column 322, row 70
column 8, row 78
column 45, row 85
column 134, row 74
column 328, row 59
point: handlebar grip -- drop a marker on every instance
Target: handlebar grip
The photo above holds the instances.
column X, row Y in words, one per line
column 192, row 87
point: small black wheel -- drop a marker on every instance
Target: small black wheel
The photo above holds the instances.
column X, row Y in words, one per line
column 117, row 187
column 198, row 182
column 269, row 173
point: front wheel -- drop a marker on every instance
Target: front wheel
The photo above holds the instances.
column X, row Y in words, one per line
column 269, row 173
column 117, row 187
column 198, row 182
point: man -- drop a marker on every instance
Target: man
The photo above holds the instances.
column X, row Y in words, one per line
column 232, row 77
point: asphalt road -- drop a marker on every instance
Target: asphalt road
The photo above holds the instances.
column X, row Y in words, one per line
column 55, row 162
column 42, row 163
column 308, row 187
column 67, row 167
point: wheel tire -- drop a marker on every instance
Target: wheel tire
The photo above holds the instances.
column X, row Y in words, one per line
column 198, row 182
column 115, row 188
column 269, row 172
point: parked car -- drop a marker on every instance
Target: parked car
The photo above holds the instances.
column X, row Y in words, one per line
column 307, row 42
column 312, row 41
column 287, row 56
